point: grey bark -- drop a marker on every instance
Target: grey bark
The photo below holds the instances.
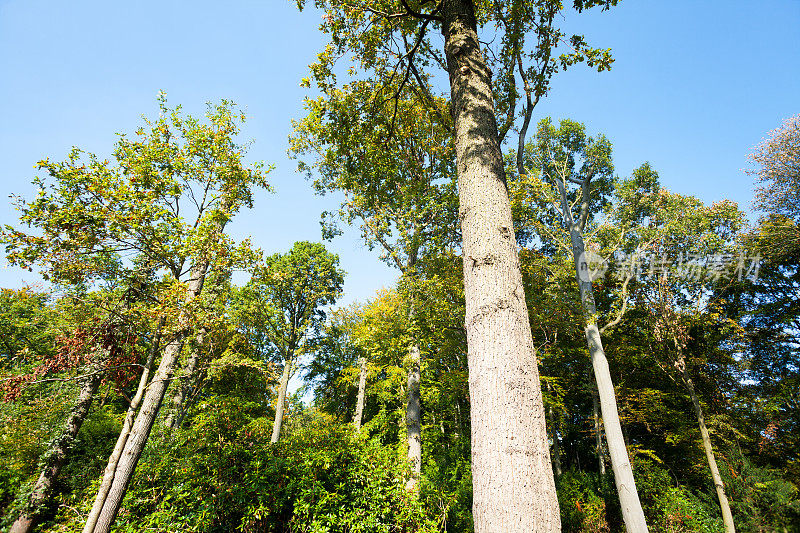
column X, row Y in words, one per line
column 56, row 455
column 151, row 404
column 727, row 516
column 362, row 389
column 513, row 485
column 414, row 419
column 632, row 512
column 598, row 432
column 113, row 460
column 184, row 386
column 276, row 427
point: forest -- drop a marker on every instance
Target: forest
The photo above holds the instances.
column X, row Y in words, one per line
column 564, row 349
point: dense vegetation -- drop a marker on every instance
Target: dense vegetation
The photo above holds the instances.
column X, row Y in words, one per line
column 653, row 375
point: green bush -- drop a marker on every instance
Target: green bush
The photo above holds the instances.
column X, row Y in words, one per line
column 321, row 477
column 583, row 504
column 760, row 500
column 671, row 508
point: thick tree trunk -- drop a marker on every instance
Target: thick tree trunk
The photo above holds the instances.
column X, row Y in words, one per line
column 276, row 427
column 598, row 432
column 727, row 516
column 111, row 467
column 513, row 485
column 362, row 390
column 56, row 455
column 414, row 419
column 632, row 512
column 184, row 386
column 151, row 404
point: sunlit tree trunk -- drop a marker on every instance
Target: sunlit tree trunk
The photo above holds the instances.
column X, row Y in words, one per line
column 414, row 419
column 513, row 485
column 727, row 516
column 598, row 432
column 276, row 427
column 111, row 467
column 56, row 455
column 151, row 404
column 632, row 512
column 362, row 390
column 184, row 386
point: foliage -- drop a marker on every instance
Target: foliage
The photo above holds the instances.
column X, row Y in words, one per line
column 226, row 476
column 92, row 214
column 778, row 172
column 282, row 305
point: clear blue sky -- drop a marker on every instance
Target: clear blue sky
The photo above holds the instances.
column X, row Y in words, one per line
column 695, row 86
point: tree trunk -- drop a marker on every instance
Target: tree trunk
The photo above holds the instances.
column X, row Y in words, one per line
column 414, row 420
column 632, row 512
column 513, row 485
column 276, row 427
column 727, row 517
column 184, row 386
column 151, row 404
column 56, row 456
column 111, row 467
column 362, row 389
column 556, row 446
column 598, row 432
column 556, row 453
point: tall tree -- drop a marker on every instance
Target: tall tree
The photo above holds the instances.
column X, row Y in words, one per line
column 284, row 301
column 567, row 157
column 91, row 214
column 392, row 41
column 401, row 189
column 691, row 255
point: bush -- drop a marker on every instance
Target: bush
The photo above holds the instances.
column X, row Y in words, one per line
column 671, row 508
column 583, row 505
column 322, row 477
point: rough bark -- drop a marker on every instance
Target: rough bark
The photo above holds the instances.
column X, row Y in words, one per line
column 362, row 389
column 56, row 455
column 151, row 404
column 632, row 512
column 598, row 432
column 414, row 419
column 113, row 460
column 276, row 427
column 513, row 485
column 727, row 516
column 184, row 386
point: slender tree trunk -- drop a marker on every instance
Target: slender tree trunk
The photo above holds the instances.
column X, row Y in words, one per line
column 276, row 427
column 111, row 467
column 513, row 485
column 362, row 389
column 556, row 453
column 414, row 419
column 598, row 432
column 184, row 386
column 151, row 404
column 556, row 445
column 632, row 512
column 56, row 455
column 727, row 516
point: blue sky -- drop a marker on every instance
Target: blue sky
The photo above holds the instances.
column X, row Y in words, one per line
column 695, row 86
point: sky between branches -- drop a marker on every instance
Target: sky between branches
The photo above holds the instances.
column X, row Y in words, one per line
column 695, row 86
